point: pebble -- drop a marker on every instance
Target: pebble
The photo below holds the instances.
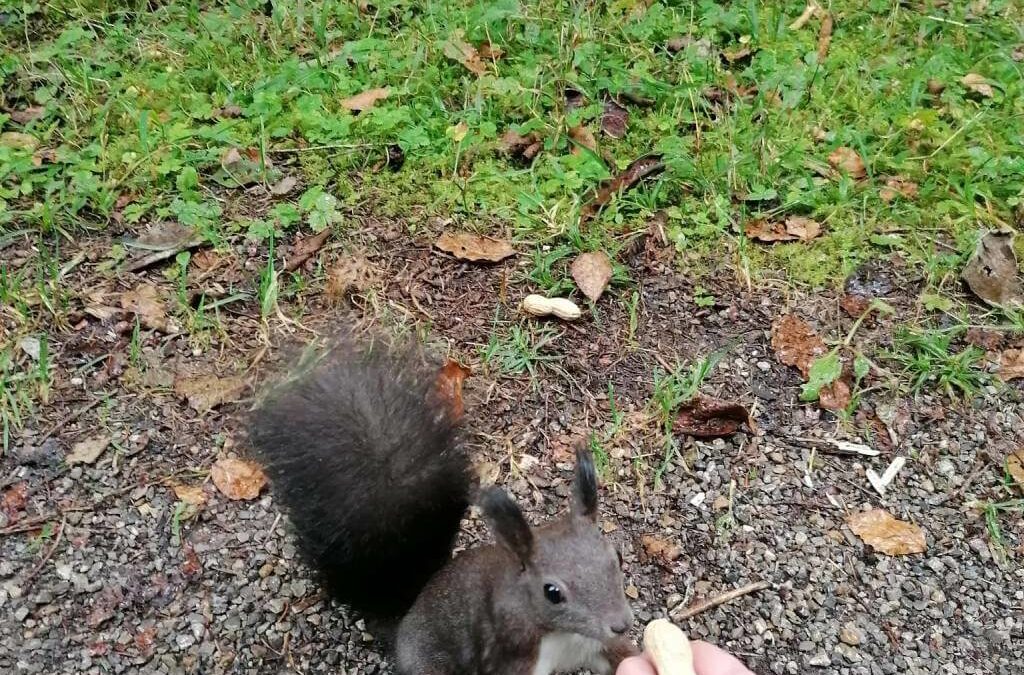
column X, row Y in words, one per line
column 851, row 634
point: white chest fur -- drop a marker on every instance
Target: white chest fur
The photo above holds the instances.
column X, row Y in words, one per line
column 568, row 652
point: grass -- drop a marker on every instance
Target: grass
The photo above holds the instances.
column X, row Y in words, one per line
column 141, row 104
column 928, row 359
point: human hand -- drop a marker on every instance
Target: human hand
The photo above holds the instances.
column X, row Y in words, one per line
column 707, row 660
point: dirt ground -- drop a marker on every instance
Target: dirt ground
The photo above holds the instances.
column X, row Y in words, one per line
column 102, row 570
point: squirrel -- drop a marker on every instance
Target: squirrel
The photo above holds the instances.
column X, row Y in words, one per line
column 364, row 453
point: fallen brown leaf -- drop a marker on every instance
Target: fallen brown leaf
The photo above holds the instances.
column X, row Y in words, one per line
column 614, row 119
column 592, row 272
column 284, row 186
column 795, row 228
column 349, row 273
column 162, row 239
column 474, row 247
column 238, row 479
column 514, row 144
column 663, row 551
column 457, row 49
column 582, row 136
column 306, row 248
column 1015, row 467
column 989, row 340
column 1011, row 365
column 19, row 141
column 638, row 169
column 145, row 302
column 206, row 392
column 87, row 451
column 880, row 530
column 365, row 100
column 835, row 396
column 897, row 187
column 29, row 114
column 848, row 161
column 13, row 500
column 449, row 386
column 189, row 494
column 824, row 36
column 144, row 641
column 978, row 84
column 736, row 54
column 191, row 566
column 706, row 417
column 992, row 271
column 795, row 343
column 240, row 167
column 854, row 305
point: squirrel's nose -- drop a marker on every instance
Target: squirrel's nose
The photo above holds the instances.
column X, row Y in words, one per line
column 620, row 628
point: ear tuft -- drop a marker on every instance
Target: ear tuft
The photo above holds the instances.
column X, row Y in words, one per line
column 507, row 523
column 585, row 485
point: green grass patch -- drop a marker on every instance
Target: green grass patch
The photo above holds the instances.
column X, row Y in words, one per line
column 123, row 111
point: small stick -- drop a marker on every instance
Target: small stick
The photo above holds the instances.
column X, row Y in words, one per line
column 809, row 11
column 700, row 607
column 825, row 36
column 49, row 554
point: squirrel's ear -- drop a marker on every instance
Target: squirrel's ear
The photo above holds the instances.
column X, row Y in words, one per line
column 507, row 523
column 584, row 491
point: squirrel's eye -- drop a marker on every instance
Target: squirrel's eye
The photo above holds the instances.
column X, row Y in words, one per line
column 553, row 594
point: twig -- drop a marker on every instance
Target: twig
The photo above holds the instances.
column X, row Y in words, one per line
column 49, row 554
column 808, row 13
column 837, row 447
column 705, row 605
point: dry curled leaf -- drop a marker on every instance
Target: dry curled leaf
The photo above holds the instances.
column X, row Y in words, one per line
column 592, row 272
column 13, row 500
column 614, row 119
column 1011, row 365
column 306, row 248
column 192, row 495
column 365, row 100
column 795, row 228
column 978, row 84
column 848, row 161
column 284, row 186
column 457, row 49
column 449, row 386
column 29, row 114
column 348, row 274
column 992, row 271
column 583, row 138
column 87, row 451
column 238, row 479
column 638, row 169
column 896, row 186
column 880, row 530
column 516, row 145
column 206, row 392
column 474, row 247
column 665, row 552
column 706, row 417
column 795, row 343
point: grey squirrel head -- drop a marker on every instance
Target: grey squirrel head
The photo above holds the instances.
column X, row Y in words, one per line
column 571, row 576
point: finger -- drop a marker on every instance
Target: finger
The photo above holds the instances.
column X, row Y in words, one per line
column 711, row 660
column 635, row 665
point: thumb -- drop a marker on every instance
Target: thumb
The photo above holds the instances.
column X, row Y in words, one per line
column 635, row 665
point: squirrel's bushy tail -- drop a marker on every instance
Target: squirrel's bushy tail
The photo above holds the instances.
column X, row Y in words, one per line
column 362, row 452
